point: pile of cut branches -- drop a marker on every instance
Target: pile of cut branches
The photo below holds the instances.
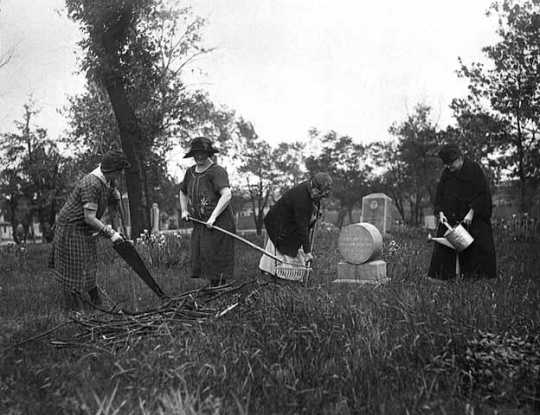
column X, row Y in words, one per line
column 114, row 329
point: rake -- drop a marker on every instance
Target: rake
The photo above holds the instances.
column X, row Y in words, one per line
column 284, row 270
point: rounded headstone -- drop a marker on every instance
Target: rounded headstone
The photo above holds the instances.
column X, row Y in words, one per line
column 360, row 242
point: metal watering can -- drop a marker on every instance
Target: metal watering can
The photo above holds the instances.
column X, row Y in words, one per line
column 456, row 238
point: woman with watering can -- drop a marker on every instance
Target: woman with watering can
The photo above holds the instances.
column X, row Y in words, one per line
column 463, row 197
column 205, row 195
column 74, row 254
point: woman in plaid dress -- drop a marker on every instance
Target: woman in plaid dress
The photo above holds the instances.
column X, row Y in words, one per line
column 74, row 255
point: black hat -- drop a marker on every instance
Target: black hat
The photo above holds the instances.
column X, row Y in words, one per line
column 114, row 160
column 201, row 144
column 321, row 181
column 449, row 153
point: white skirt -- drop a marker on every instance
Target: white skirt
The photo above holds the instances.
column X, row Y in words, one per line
column 267, row 264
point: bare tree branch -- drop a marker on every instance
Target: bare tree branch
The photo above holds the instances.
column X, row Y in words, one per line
column 6, row 57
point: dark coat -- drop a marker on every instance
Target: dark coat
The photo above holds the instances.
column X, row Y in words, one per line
column 289, row 221
column 457, row 192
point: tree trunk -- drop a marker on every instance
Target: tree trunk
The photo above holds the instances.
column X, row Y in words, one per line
column 396, row 196
column 147, row 196
column 259, row 223
column 341, row 217
column 417, row 209
column 411, row 211
column 130, row 136
column 521, row 170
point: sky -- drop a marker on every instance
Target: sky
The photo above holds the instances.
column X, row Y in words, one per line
column 352, row 66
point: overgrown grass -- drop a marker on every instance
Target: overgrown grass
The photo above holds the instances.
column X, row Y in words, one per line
column 409, row 346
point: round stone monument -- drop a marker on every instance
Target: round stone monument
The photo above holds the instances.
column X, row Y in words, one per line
column 359, row 243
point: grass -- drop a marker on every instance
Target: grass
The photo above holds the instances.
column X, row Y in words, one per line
column 409, row 346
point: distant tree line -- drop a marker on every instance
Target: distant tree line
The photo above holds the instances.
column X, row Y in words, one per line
column 135, row 56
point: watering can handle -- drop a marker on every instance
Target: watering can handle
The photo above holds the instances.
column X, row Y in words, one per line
column 445, row 223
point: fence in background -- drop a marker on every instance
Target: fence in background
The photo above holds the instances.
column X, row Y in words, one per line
column 518, row 227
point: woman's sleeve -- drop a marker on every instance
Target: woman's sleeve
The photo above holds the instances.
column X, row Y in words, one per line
column 220, row 178
column 481, row 200
column 437, row 206
column 302, row 215
column 90, row 193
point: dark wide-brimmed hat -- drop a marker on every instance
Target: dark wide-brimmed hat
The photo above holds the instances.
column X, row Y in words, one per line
column 114, row 160
column 201, row 144
column 449, row 153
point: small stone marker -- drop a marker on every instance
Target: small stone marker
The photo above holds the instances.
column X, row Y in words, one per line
column 377, row 210
column 361, row 247
column 126, row 217
column 154, row 217
column 430, row 222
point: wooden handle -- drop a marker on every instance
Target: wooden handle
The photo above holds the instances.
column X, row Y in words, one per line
column 235, row 236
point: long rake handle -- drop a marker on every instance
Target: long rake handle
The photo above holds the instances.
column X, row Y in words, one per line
column 239, row 238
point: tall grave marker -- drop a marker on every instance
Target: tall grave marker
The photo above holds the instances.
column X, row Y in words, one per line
column 377, row 210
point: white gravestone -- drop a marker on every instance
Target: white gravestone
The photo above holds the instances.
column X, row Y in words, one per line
column 377, row 210
column 126, row 217
column 154, row 216
column 430, row 222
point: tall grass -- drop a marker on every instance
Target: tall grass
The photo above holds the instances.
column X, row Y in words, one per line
column 409, row 346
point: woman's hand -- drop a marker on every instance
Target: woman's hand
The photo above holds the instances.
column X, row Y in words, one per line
column 442, row 217
column 210, row 222
column 116, row 237
column 468, row 217
column 222, row 203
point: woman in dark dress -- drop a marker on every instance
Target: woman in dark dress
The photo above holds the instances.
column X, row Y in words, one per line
column 205, row 194
column 463, row 196
column 290, row 221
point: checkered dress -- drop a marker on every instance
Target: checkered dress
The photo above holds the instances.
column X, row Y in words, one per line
column 74, row 253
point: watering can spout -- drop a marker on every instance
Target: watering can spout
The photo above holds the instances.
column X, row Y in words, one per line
column 456, row 238
column 442, row 241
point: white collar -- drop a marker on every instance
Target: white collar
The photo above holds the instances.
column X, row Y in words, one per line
column 99, row 174
column 206, row 168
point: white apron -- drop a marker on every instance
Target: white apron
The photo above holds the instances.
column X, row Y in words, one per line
column 267, row 264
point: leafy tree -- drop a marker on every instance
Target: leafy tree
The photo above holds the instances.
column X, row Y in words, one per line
column 157, row 44
column 417, row 146
column 507, row 94
column 478, row 134
column 110, row 29
column 266, row 170
column 410, row 166
column 346, row 161
column 289, row 162
column 33, row 178
column 393, row 179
